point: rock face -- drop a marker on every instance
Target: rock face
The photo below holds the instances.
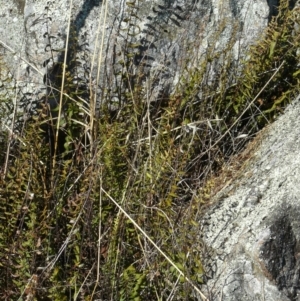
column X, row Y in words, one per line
column 155, row 38
column 253, row 230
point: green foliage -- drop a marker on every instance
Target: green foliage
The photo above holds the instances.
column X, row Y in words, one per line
column 62, row 237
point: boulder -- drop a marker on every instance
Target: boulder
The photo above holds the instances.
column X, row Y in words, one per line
column 252, row 230
column 152, row 40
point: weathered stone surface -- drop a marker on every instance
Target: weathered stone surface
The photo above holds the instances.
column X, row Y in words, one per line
column 162, row 35
column 253, row 230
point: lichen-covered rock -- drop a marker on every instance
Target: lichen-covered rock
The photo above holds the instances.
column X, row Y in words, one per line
column 151, row 40
column 253, row 230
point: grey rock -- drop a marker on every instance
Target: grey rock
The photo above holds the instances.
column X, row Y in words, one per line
column 254, row 234
column 161, row 35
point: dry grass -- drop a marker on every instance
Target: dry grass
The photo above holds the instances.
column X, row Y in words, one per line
column 101, row 199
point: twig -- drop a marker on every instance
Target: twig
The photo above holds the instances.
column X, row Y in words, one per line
column 156, row 246
column 62, row 90
column 249, row 105
column 24, row 60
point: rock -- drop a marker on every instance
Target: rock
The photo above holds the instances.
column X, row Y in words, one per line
column 252, row 236
column 253, row 228
column 159, row 36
